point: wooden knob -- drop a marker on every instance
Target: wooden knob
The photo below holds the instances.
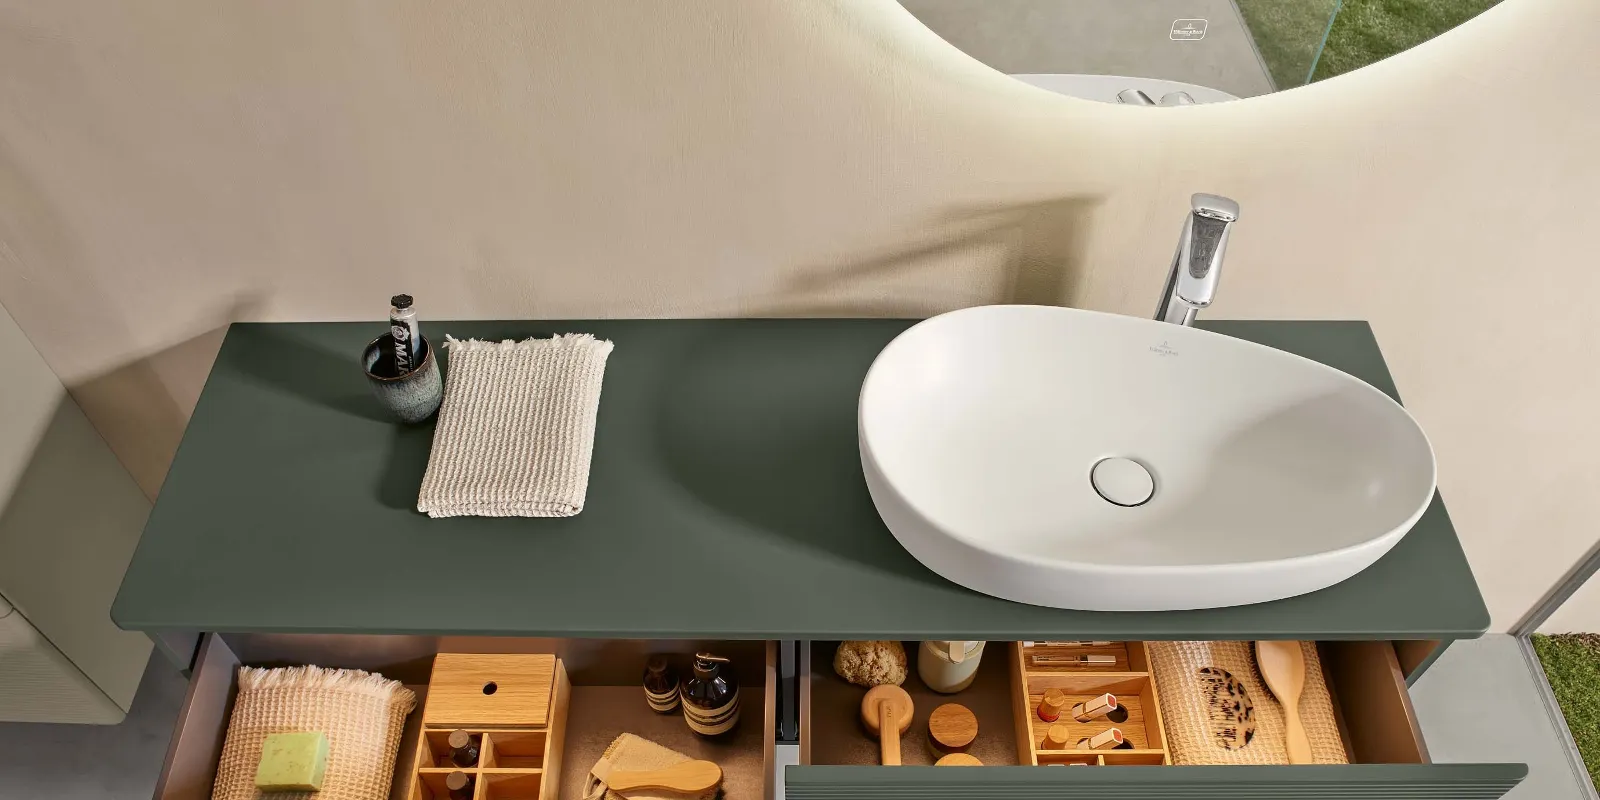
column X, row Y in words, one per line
column 1050, row 706
column 952, row 728
column 1056, row 738
column 958, row 760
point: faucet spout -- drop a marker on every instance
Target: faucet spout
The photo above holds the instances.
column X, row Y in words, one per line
column 1192, row 281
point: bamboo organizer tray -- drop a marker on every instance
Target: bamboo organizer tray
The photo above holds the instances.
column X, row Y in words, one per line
column 516, row 704
column 1038, row 666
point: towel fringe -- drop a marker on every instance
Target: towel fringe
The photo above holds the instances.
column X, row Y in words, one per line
column 354, row 681
column 529, row 344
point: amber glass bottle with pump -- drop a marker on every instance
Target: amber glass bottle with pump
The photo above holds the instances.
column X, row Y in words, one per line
column 711, row 696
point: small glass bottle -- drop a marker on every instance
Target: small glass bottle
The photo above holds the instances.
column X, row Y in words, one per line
column 463, row 749
column 711, row 696
column 661, row 685
column 459, row 785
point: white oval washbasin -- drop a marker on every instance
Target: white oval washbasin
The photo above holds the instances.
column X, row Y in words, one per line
column 1228, row 472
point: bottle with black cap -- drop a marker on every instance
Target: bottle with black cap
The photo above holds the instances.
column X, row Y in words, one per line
column 407, row 338
column 463, row 749
column 459, row 785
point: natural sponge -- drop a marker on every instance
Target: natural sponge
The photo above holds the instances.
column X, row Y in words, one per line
column 871, row 663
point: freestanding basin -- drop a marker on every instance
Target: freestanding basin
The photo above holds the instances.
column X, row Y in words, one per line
column 1091, row 461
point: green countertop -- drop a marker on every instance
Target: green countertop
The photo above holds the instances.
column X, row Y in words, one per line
column 726, row 501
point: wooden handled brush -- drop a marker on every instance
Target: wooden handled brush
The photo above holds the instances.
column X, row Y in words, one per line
column 1283, row 667
column 886, row 711
column 687, row 777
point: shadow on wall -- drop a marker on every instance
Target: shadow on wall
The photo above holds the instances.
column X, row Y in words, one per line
column 141, row 407
column 1037, row 250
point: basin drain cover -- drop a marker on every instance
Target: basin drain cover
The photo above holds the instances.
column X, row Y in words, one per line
column 1122, row 481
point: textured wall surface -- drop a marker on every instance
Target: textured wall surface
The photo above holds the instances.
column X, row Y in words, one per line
column 166, row 167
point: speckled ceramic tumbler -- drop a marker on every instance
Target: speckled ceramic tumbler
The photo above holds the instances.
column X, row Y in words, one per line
column 414, row 396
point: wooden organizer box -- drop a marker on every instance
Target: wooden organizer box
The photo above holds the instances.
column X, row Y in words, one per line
column 1038, row 666
column 515, row 704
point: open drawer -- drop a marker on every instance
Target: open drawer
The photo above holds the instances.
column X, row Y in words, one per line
column 1388, row 758
column 605, row 701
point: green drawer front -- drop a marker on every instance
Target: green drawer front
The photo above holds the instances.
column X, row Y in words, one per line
column 1353, row 782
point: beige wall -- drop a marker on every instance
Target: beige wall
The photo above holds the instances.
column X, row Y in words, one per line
column 168, row 166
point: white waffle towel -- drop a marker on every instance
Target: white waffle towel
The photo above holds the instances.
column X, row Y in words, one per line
column 516, row 431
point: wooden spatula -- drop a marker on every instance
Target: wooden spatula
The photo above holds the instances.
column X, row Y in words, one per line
column 887, row 711
column 1283, row 666
column 687, row 777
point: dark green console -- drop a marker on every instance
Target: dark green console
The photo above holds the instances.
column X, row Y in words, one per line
column 725, row 502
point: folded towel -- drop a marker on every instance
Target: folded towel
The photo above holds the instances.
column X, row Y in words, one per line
column 362, row 714
column 516, row 431
column 632, row 753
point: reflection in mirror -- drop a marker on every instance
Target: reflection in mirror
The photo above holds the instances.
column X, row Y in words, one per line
column 1181, row 52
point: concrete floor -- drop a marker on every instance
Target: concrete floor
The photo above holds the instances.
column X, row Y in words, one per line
column 1103, row 37
column 95, row 762
column 1478, row 703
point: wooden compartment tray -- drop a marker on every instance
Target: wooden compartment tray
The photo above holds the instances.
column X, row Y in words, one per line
column 1037, row 667
column 516, row 704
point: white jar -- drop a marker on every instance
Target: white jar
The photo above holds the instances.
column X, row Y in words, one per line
column 948, row 667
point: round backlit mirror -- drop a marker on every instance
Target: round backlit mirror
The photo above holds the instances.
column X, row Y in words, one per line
column 1179, row 52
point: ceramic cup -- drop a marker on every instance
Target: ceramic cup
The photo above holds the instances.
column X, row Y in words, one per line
column 414, row 396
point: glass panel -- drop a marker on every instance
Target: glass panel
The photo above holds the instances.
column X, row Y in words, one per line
column 1211, row 49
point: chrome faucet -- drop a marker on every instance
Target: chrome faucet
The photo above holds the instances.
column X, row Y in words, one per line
column 1192, row 283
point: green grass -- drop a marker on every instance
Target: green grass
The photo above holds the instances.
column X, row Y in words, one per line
column 1572, row 663
column 1288, row 32
column 1371, row 30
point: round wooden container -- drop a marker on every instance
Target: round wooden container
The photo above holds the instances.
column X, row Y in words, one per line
column 952, row 728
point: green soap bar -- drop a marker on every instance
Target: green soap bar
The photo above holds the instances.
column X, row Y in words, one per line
column 292, row 762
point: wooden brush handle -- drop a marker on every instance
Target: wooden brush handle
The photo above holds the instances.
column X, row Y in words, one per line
column 889, row 734
column 1294, row 735
column 689, row 777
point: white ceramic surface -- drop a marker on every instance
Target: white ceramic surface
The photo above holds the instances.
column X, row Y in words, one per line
column 1274, row 475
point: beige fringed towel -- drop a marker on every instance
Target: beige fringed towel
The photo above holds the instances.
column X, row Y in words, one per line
column 1217, row 708
column 363, row 715
column 516, row 431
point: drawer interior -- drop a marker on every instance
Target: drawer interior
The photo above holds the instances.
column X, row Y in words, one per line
column 1374, row 711
column 606, row 701
column 832, row 720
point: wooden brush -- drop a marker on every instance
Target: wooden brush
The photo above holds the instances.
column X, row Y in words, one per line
column 686, row 777
column 1283, row 667
column 886, row 712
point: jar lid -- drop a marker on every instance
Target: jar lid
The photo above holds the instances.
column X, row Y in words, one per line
column 953, row 725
